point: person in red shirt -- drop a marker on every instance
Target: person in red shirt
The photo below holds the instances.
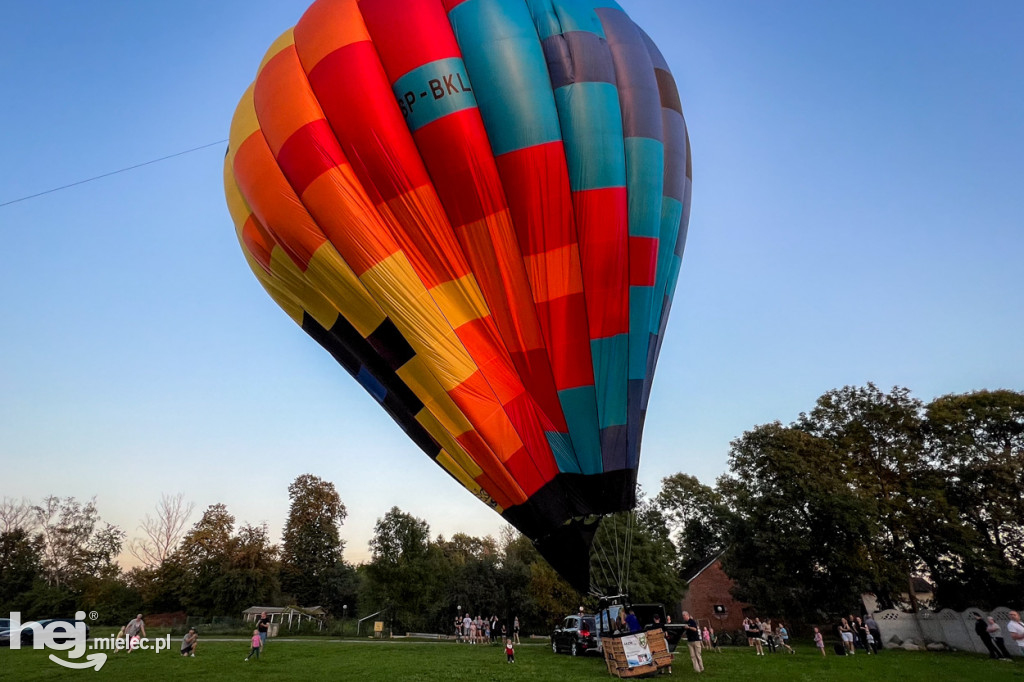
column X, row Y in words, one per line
column 510, row 653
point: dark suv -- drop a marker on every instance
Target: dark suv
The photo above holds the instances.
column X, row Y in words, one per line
column 27, row 632
column 577, row 635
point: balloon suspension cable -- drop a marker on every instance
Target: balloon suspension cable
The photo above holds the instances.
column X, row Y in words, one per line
column 629, row 547
column 602, row 559
column 618, row 554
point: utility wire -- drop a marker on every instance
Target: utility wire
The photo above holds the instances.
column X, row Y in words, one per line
column 107, row 175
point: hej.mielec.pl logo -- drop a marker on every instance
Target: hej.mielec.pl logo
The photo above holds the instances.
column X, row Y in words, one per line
column 72, row 638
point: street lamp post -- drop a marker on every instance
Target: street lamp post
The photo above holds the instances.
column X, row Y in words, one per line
column 344, row 614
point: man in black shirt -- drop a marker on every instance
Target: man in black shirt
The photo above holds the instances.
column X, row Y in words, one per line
column 693, row 641
column 263, row 624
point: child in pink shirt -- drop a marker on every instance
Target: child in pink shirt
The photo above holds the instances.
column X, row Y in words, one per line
column 819, row 641
column 256, row 644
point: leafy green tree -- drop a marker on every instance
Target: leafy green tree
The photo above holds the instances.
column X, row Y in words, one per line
column 879, row 442
column 402, row 575
column 978, row 440
column 696, row 515
column 219, row 572
column 20, row 558
column 311, row 558
column 801, row 533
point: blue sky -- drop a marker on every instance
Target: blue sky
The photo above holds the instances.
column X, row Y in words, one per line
column 856, row 217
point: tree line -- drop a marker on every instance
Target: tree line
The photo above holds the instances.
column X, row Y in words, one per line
column 860, row 494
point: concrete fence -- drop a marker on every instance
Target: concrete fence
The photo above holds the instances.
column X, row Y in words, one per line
column 953, row 628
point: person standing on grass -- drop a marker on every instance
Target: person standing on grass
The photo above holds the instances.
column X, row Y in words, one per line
column 996, row 633
column 846, row 632
column 188, row 643
column 262, row 627
column 510, row 652
column 693, row 642
column 515, row 630
column 819, row 641
column 981, row 629
column 754, row 636
column 467, row 623
column 767, row 634
column 874, row 632
column 861, row 631
column 1016, row 630
column 257, row 644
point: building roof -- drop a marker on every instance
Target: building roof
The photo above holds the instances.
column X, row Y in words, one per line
column 306, row 610
column 922, row 586
column 689, row 573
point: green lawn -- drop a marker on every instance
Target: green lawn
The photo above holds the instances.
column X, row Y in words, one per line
column 303, row 660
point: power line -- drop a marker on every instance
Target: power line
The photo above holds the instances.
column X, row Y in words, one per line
column 107, row 175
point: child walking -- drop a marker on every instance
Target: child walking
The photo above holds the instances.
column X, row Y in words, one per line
column 819, row 641
column 510, row 653
column 257, row 643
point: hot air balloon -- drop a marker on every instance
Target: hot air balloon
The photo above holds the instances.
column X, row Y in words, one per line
column 478, row 207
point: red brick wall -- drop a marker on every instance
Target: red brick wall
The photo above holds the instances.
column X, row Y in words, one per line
column 707, row 589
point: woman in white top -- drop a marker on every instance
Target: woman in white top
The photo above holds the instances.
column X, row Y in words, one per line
column 847, row 634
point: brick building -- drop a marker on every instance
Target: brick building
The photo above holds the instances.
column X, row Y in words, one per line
column 709, row 596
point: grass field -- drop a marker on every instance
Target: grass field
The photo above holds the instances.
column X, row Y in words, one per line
column 445, row 661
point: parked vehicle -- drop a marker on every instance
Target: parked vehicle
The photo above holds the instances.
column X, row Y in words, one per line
column 577, row 634
column 26, row 633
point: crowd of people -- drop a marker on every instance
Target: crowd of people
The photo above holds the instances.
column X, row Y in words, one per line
column 992, row 635
column 479, row 630
column 761, row 634
column 858, row 633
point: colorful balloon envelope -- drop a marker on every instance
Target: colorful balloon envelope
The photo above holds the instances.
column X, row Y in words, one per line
column 478, row 207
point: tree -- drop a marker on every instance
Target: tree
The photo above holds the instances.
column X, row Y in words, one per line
column 399, row 536
column 209, row 539
column 978, row 440
column 20, row 557
column 696, row 515
column 801, row 532
column 218, row 572
column 250, row 575
column 15, row 514
column 403, row 573
column 163, row 532
column 73, row 546
column 311, row 557
column 879, row 442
